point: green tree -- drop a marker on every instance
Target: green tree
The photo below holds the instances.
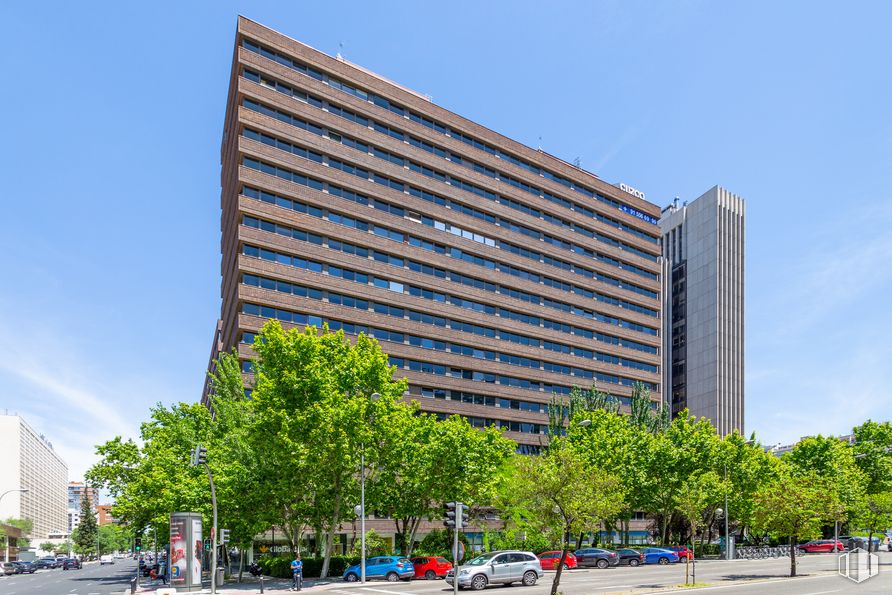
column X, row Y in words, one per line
column 793, row 505
column 25, row 525
column 562, row 495
column 875, row 514
column 833, row 460
column 48, row 546
column 150, row 482
column 113, row 538
column 873, row 450
column 421, row 462
column 87, row 530
column 312, row 406
column 687, row 447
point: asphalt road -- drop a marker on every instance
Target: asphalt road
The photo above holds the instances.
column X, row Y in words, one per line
column 817, row 574
column 92, row 579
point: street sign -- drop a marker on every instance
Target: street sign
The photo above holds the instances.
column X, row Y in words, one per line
column 459, row 555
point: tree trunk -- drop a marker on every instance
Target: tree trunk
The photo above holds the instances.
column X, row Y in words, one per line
column 329, row 535
column 565, row 544
column 666, row 520
column 415, row 522
column 793, row 542
column 241, row 563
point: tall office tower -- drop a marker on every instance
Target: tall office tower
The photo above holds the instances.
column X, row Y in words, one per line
column 703, row 243
column 29, row 462
column 493, row 274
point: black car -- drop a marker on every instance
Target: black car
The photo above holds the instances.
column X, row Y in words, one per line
column 26, row 567
column 630, row 557
column 46, row 563
column 72, row 563
column 596, row 557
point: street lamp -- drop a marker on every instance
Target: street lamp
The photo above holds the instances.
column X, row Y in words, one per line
column 373, row 397
column 21, row 491
column 727, row 515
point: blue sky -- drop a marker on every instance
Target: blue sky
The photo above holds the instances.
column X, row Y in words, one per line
column 111, row 170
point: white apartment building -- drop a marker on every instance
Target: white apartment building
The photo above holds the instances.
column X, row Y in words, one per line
column 28, row 461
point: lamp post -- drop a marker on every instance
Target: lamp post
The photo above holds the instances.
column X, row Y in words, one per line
column 728, row 553
column 373, row 397
column 21, row 491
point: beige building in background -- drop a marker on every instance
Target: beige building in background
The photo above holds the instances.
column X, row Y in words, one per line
column 27, row 460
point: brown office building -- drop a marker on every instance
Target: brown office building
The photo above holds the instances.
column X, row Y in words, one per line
column 494, row 275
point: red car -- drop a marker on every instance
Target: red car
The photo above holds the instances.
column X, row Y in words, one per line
column 550, row 560
column 683, row 551
column 820, row 545
column 431, row 567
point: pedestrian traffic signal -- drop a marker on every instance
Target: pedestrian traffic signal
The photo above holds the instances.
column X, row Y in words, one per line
column 137, row 544
column 199, row 456
column 453, row 515
column 207, row 544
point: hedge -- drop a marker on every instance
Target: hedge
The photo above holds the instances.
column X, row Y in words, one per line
column 280, row 567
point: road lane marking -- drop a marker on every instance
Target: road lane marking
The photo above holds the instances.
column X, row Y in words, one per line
column 386, row 591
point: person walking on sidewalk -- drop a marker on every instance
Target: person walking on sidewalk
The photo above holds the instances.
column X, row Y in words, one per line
column 297, row 574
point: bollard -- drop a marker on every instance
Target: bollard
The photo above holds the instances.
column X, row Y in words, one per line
column 261, row 583
column 133, row 585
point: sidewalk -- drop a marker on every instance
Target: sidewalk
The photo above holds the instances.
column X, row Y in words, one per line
column 250, row 585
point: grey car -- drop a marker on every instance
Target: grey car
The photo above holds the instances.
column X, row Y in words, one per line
column 504, row 567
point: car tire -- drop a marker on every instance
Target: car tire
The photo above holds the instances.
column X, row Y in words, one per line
column 634, row 562
column 566, row 566
column 664, row 560
column 430, row 575
column 529, row 578
column 392, row 577
column 351, row 578
column 802, row 550
column 479, row 582
column 602, row 563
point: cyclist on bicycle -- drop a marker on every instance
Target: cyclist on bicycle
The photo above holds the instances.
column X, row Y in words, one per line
column 297, row 571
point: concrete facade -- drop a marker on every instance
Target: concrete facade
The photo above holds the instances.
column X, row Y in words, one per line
column 493, row 274
column 30, row 462
column 703, row 243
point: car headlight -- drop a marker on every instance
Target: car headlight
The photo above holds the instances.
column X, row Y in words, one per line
column 464, row 572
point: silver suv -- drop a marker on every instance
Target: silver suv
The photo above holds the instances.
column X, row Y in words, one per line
column 503, row 567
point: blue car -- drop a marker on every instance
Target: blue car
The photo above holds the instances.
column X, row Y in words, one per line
column 656, row 555
column 392, row 568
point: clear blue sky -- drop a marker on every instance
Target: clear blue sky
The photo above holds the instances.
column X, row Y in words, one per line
column 113, row 115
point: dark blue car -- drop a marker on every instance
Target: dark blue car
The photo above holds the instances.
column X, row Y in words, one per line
column 392, row 568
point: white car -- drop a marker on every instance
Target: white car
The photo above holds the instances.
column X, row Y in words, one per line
column 106, row 559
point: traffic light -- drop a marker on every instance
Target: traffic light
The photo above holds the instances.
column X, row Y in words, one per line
column 199, row 455
column 453, row 515
column 207, row 544
column 224, row 536
column 137, row 544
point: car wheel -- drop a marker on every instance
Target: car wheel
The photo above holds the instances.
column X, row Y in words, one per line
column 602, row 563
column 392, row 577
column 634, row 562
column 430, row 575
column 351, row 578
column 802, row 550
column 478, row 583
column 664, row 561
column 529, row 578
column 566, row 566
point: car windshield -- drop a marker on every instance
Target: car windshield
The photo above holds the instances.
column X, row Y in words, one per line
column 481, row 560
